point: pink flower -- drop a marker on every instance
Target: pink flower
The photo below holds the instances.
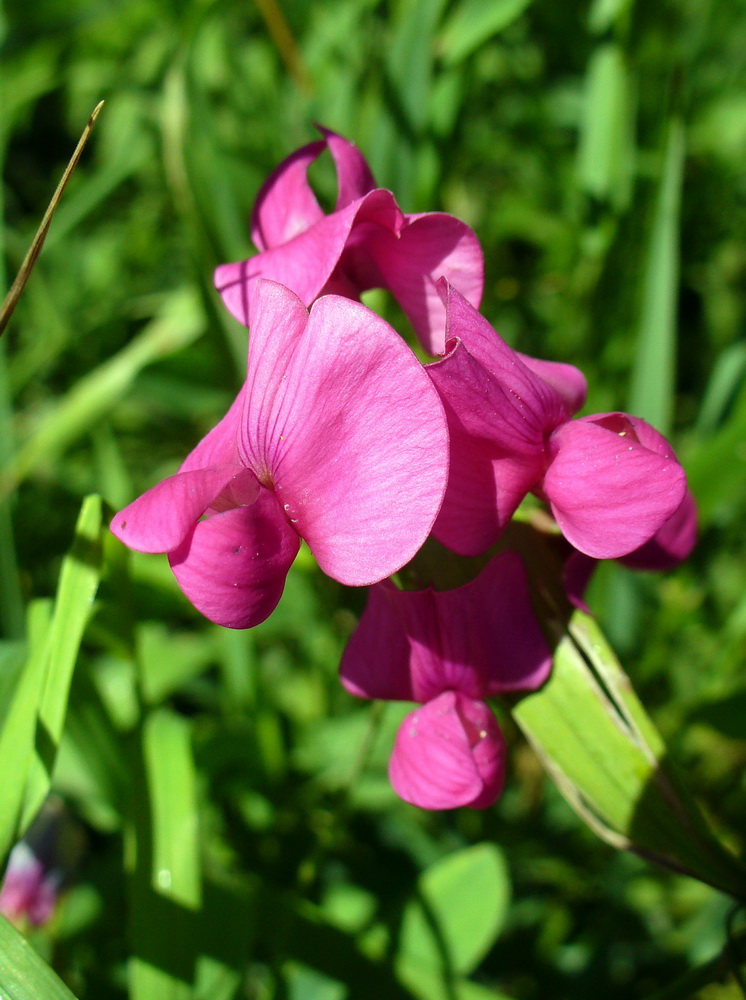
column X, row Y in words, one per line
column 610, row 479
column 449, row 650
column 449, row 753
column 366, row 242
column 320, row 444
column 29, row 891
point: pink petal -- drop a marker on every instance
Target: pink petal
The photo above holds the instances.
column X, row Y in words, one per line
column 286, row 205
column 233, row 565
column 306, row 262
column 672, row 543
column 499, row 413
column 479, row 639
column 354, row 178
column 355, row 441
column 449, row 753
column 567, row 381
column 376, row 661
column 430, row 246
column 515, row 408
column 160, row 519
column 486, row 484
column 608, row 492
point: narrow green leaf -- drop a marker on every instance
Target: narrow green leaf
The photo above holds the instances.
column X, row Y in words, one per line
column 172, row 791
column 166, row 874
column 79, row 579
column 606, row 136
column 653, row 376
column 727, row 375
column 596, row 741
column 24, row 975
column 716, row 466
column 474, row 22
column 458, row 911
column 410, row 62
column 19, row 727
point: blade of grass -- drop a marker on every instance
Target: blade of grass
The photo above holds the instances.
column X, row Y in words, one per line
column 19, row 726
column 653, row 377
column 166, row 874
column 24, row 975
column 79, row 578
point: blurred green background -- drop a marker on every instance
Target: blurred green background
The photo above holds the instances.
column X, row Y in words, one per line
column 598, row 150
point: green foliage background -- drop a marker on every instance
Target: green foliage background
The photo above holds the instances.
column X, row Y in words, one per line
column 236, row 834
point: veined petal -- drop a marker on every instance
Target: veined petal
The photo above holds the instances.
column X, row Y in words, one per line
column 233, row 565
column 609, row 493
column 449, row 753
column 160, row 519
column 479, row 639
column 430, row 246
column 306, row 262
column 356, row 446
column 286, row 205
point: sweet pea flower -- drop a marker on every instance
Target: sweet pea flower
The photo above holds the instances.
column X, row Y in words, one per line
column 611, row 480
column 365, row 242
column 320, row 444
column 449, row 650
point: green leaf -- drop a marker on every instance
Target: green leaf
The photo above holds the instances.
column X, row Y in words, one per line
column 606, row 757
column 410, row 61
column 458, row 911
column 727, row 375
column 24, row 975
column 79, row 579
column 474, row 22
column 716, row 466
column 653, row 377
column 19, row 727
column 166, row 875
column 606, row 150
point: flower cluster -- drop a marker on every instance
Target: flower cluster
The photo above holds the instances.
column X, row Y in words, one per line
column 342, row 437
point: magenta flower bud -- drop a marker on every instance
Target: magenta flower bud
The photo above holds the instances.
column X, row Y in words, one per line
column 366, row 242
column 29, row 891
column 449, row 753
